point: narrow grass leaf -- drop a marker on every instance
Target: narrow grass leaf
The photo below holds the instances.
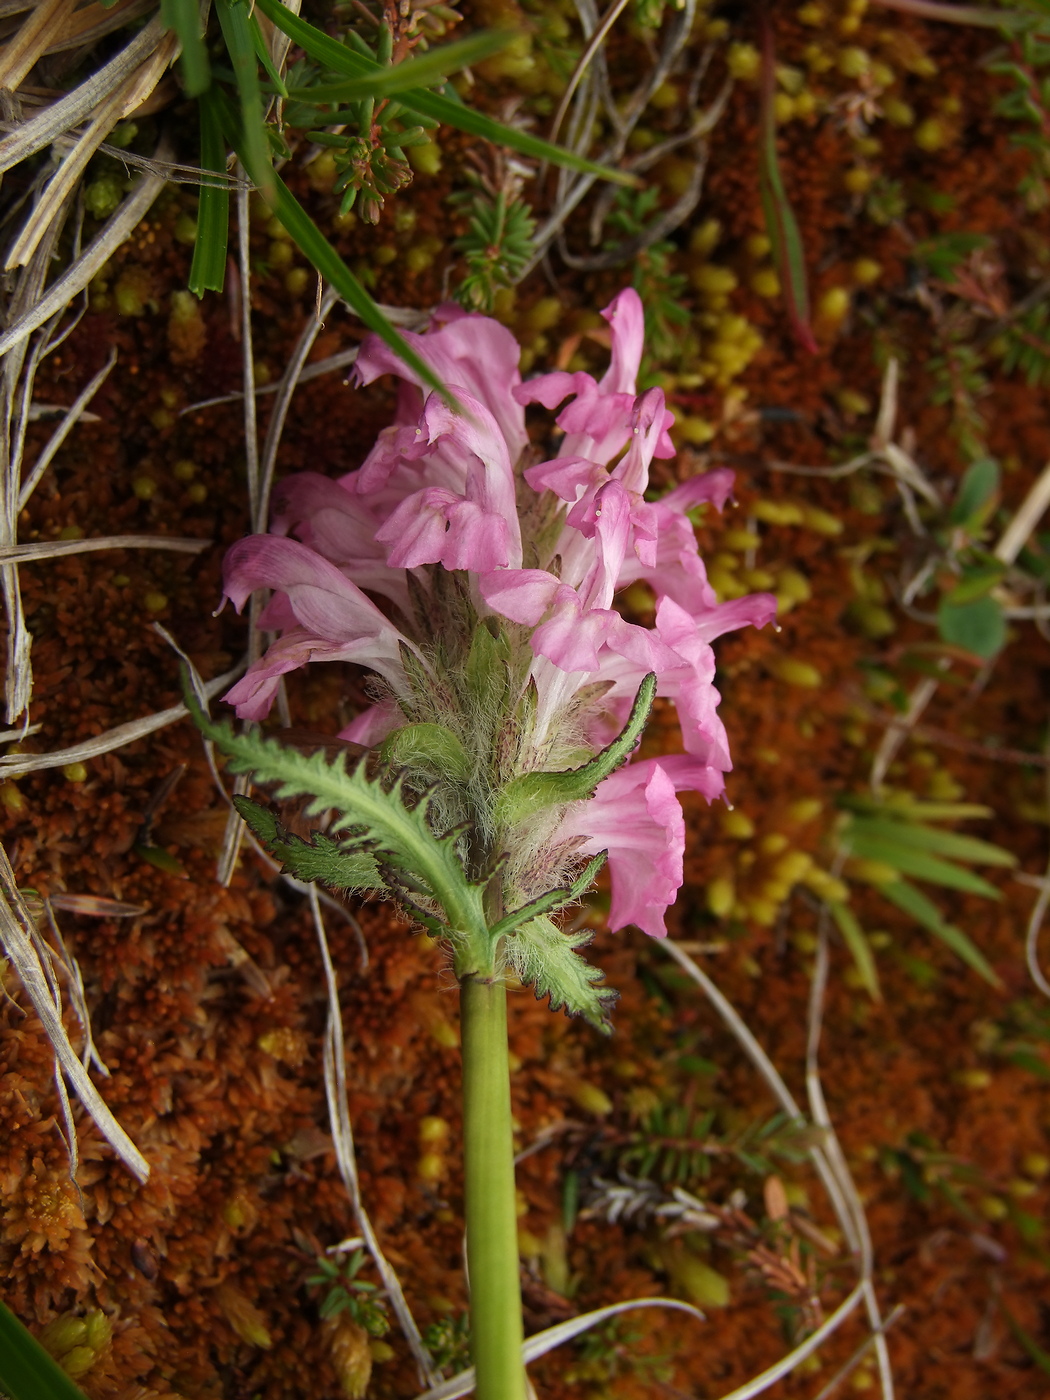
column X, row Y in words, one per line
column 184, row 17
column 860, row 949
column 262, row 53
column 255, row 152
column 432, row 67
column 945, row 843
column 27, row 1371
column 208, row 269
column 923, row 866
column 914, row 903
column 339, row 59
column 781, row 224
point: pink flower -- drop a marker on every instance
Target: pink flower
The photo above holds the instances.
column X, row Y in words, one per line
column 447, row 525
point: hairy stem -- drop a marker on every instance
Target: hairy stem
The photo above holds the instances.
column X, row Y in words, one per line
column 492, row 1229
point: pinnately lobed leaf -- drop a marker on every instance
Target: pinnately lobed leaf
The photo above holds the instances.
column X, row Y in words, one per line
column 532, row 792
column 320, row 858
column 546, row 959
column 401, row 836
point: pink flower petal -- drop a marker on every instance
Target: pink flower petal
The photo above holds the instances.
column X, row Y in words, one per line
column 636, row 817
column 523, row 595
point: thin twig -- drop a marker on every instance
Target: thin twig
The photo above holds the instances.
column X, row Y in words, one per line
column 819, row 1110
column 15, row 765
column 16, row 932
column 69, row 421
column 346, row 1157
column 57, row 549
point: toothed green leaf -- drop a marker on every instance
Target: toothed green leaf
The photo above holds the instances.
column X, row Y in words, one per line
column 320, row 858
column 401, row 835
column 533, row 792
column 553, row 900
column 546, row 959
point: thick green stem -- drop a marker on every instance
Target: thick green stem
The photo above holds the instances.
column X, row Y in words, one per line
column 492, row 1225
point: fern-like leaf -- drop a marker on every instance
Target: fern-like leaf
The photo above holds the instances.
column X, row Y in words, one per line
column 546, row 959
column 320, row 858
column 401, row 836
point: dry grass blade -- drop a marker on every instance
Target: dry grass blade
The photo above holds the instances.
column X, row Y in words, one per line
column 65, row 289
column 16, row 933
column 819, row 1110
column 31, row 40
column 343, row 360
column 131, row 92
column 14, row 765
column 542, row 1342
column 1029, row 513
column 346, row 1157
column 69, row 111
column 290, row 380
column 69, row 420
column 55, row 549
column 845, row 1371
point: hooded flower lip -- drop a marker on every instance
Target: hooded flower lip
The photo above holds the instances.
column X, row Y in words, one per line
column 448, row 490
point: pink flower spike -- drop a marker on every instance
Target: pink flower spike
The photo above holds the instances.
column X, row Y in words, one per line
column 714, row 487
column 372, row 726
column 626, row 318
column 323, row 600
column 523, row 595
column 435, row 526
column 254, row 693
column 565, row 476
column 636, row 817
column 474, row 352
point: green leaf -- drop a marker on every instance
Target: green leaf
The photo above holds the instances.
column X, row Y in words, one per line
column 339, row 59
column 859, row 947
column 928, row 838
column 430, row 747
column 402, row 836
column 184, row 17
column 255, row 147
column 320, row 858
column 553, row 900
column 781, row 224
column 262, row 53
column 978, row 626
column 532, row 792
column 208, row 270
column 27, row 1371
column 904, row 856
column 545, row 959
column 977, row 494
column 429, row 68
column 907, row 898
column 975, row 583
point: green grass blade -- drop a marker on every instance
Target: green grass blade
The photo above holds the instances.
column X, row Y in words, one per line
column 255, row 152
column 911, row 901
column 432, row 67
column 208, row 270
column 860, row 949
column 781, row 224
column 910, row 861
column 262, row 53
column 928, row 838
column 339, row 59
column 27, row 1371
column 313, row 244
column 184, row 17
